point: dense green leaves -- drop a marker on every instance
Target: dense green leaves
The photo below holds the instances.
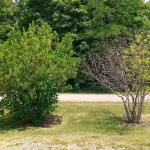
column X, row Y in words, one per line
column 137, row 60
column 34, row 66
column 7, row 18
column 114, row 19
column 63, row 15
column 95, row 23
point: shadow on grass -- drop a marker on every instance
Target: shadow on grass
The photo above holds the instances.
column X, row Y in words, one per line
column 9, row 124
column 105, row 122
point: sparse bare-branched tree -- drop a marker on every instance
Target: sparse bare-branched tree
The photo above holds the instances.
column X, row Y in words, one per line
column 126, row 72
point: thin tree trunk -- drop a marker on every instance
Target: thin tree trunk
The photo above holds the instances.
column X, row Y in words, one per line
column 127, row 112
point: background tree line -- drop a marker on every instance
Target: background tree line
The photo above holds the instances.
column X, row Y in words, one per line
column 95, row 24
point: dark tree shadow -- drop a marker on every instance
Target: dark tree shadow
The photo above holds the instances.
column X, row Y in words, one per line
column 106, row 122
column 7, row 123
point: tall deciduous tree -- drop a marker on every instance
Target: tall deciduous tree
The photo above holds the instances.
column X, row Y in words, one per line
column 64, row 16
column 112, row 19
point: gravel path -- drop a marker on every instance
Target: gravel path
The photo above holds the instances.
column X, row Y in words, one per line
column 71, row 97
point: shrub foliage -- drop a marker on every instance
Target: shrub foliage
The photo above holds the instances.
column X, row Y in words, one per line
column 34, row 65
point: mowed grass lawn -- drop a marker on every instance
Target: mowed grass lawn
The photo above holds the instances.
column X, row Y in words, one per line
column 88, row 126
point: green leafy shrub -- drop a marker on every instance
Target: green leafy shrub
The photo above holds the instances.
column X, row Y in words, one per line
column 34, row 66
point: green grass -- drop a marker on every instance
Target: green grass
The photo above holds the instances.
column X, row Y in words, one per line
column 84, row 125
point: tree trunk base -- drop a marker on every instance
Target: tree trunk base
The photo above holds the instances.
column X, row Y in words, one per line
column 126, row 122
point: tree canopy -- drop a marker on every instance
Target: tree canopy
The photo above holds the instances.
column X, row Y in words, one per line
column 7, row 18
